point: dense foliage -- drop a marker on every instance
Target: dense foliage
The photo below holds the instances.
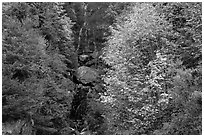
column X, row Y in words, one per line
column 34, row 86
column 152, row 79
column 101, row 68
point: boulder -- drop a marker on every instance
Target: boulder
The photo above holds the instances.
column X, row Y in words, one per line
column 86, row 74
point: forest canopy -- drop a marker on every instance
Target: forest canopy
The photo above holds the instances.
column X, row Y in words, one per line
column 102, row 68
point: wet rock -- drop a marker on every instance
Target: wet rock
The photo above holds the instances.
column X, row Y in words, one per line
column 86, row 75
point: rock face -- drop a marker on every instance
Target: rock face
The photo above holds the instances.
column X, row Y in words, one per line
column 86, row 75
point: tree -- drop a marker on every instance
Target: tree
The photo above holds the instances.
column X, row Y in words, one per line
column 34, row 86
column 145, row 54
column 185, row 114
column 186, row 21
column 132, row 45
